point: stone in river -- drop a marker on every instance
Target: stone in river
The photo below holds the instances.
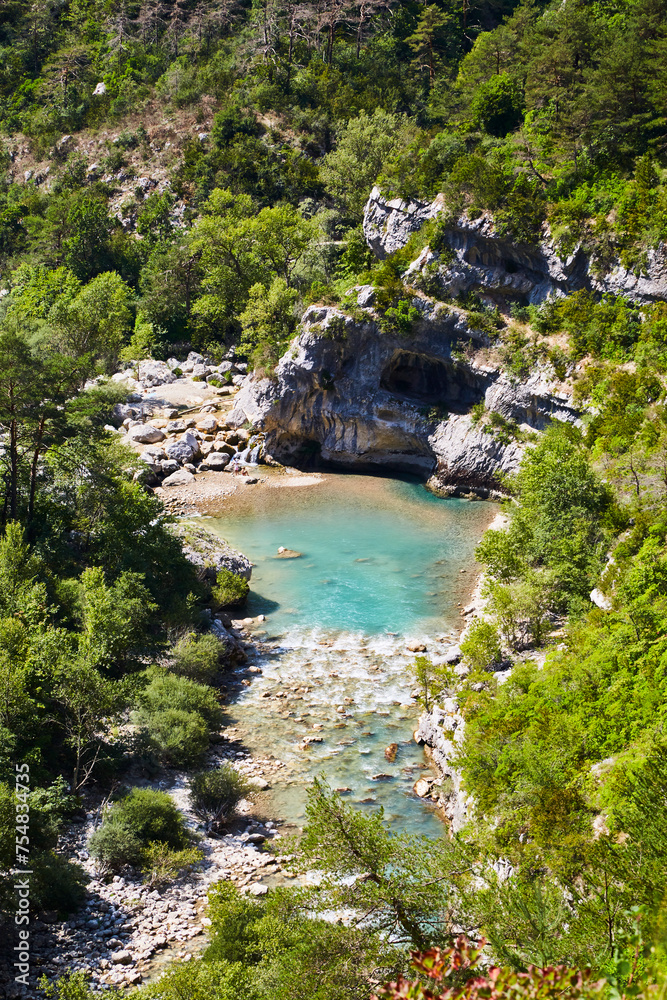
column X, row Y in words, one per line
column 216, row 461
column 391, row 751
column 417, row 647
column 381, row 777
column 284, row 553
column 422, row 787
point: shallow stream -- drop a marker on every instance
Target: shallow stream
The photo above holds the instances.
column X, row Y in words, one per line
column 383, row 565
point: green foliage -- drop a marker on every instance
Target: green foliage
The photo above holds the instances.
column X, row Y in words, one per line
column 72, row 986
column 268, row 323
column 481, row 646
column 166, row 691
column 286, row 950
column 114, row 845
column 196, row 656
column 134, row 823
column 177, row 715
column 550, row 554
column 162, row 864
column 197, row 981
column 433, row 681
column 364, row 145
column 215, row 794
column 179, row 737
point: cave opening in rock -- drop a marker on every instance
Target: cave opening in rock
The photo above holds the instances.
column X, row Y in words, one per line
column 434, row 381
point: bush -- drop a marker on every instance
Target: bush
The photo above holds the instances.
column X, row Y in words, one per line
column 178, row 737
column 56, row 884
column 167, row 691
column 199, row 981
column 197, row 657
column 115, row 845
column 481, row 646
column 230, row 590
column 162, row 864
column 141, row 818
column 73, row 986
column 215, row 794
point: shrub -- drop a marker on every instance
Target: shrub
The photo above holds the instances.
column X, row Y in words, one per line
column 215, row 794
column 141, row 818
column 481, row 646
column 115, row 845
column 152, row 816
column 167, row 691
column 178, row 737
column 199, row 981
column 162, row 864
column 197, row 657
column 73, row 986
column 230, row 589
column 56, row 884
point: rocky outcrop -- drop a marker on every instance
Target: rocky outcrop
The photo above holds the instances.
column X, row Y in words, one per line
column 357, row 396
column 210, row 553
column 389, row 224
column 474, row 257
column 441, row 731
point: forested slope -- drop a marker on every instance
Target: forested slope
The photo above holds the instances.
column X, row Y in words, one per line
column 193, row 175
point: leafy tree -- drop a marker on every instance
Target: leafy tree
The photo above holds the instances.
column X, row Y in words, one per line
column 96, row 322
column 268, row 323
column 86, row 702
column 363, row 148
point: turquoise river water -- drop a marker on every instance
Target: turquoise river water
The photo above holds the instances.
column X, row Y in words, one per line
column 384, row 565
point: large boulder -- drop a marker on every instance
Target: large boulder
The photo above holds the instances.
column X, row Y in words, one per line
column 145, row 434
column 210, row 553
column 359, row 396
column 388, row 225
column 180, row 478
column 154, row 373
column 216, row 461
column 475, row 257
column 185, row 449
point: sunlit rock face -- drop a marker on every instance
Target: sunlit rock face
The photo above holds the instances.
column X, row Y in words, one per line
column 353, row 395
column 476, row 258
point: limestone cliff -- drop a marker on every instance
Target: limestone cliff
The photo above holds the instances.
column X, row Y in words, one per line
column 360, row 397
column 440, row 731
column 477, row 259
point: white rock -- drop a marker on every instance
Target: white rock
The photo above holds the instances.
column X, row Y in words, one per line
column 180, row 478
column 258, row 890
column 121, row 958
column 100, row 89
column 145, row 434
column 217, row 461
column 600, row 600
column 209, row 425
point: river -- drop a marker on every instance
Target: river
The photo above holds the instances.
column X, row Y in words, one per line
column 384, row 565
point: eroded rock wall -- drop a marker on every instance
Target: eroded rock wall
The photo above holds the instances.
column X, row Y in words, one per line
column 478, row 259
column 359, row 397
